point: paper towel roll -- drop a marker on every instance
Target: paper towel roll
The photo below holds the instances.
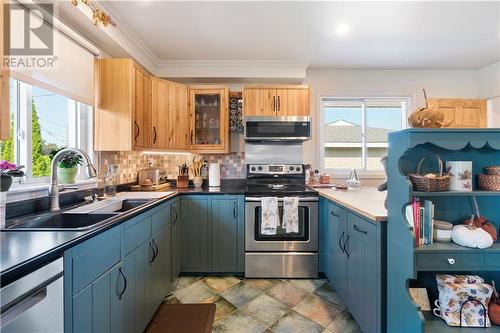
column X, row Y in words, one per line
column 214, row 175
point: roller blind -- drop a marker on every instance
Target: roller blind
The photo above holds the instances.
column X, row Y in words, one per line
column 73, row 71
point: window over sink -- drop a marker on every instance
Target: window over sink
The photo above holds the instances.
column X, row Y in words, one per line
column 354, row 131
column 43, row 122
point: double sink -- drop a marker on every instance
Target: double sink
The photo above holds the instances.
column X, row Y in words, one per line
column 80, row 218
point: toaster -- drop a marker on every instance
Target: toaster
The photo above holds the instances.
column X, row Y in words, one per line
column 156, row 175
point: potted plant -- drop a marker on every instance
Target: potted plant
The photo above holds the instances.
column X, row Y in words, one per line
column 9, row 170
column 68, row 167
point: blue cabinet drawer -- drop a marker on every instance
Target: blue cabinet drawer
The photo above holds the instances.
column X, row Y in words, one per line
column 136, row 233
column 336, row 213
column 94, row 257
column 367, row 232
column 448, row 261
column 492, row 260
column 160, row 219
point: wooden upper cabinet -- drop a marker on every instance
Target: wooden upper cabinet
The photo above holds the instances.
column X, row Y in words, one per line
column 170, row 118
column 259, row 102
column 463, row 113
column 178, row 136
column 159, row 113
column 123, row 105
column 209, row 118
column 276, row 101
column 142, row 109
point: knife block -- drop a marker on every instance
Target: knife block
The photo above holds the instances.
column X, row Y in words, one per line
column 182, row 181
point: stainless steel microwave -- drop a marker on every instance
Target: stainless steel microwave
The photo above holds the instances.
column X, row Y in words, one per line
column 277, row 129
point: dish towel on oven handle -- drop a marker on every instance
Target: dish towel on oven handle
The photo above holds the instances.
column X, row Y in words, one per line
column 291, row 214
column 270, row 216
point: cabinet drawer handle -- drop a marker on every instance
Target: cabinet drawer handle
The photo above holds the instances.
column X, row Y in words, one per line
column 155, row 251
column 358, row 229
column 154, row 131
column 346, row 244
column 333, row 214
column 154, row 254
column 124, row 283
column 451, row 261
column 175, row 214
column 137, row 130
column 340, row 241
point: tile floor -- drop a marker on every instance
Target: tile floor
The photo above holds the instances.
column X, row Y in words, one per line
column 267, row 305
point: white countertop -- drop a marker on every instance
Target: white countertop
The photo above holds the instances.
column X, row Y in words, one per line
column 367, row 201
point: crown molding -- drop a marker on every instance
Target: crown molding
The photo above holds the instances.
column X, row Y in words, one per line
column 129, row 41
column 265, row 69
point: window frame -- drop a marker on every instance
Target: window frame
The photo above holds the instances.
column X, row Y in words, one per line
column 363, row 172
column 80, row 123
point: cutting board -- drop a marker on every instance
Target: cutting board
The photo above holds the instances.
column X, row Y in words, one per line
column 151, row 188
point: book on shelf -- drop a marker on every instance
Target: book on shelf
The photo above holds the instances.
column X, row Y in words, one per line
column 423, row 220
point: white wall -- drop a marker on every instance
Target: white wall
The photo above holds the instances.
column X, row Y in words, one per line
column 489, row 81
column 489, row 87
column 437, row 83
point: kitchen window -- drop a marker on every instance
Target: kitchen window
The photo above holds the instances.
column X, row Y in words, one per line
column 43, row 122
column 354, row 131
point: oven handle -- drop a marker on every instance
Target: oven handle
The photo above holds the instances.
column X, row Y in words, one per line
column 301, row 199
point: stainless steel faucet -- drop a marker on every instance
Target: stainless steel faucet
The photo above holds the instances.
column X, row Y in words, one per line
column 54, row 186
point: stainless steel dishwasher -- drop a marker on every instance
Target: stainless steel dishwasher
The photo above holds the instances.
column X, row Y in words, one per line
column 34, row 303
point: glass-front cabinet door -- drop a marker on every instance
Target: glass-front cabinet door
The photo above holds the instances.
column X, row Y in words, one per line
column 209, row 118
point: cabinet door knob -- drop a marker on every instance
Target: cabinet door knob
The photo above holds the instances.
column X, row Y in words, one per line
column 451, row 261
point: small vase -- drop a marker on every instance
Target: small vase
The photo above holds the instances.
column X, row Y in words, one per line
column 67, row 175
column 198, row 181
column 5, row 182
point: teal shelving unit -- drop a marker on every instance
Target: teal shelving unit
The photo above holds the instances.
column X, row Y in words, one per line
column 410, row 266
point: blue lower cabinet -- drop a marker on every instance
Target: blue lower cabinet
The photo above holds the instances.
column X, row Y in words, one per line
column 175, row 218
column 212, row 232
column 336, row 269
column 99, row 307
column 161, row 267
column 226, row 229
column 353, row 252
column 115, row 281
column 194, row 233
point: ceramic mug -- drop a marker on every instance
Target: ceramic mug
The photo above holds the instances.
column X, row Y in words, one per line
column 461, row 175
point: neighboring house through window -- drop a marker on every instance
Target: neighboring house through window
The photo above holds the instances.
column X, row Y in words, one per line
column 354, row 131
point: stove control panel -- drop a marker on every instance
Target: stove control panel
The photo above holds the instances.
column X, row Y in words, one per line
column 272, row 169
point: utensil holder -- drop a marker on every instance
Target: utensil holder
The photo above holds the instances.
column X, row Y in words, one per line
column 182, row 181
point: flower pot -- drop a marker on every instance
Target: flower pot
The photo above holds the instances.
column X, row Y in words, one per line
column 67, row 175
column 197, row 181
column 5, row 182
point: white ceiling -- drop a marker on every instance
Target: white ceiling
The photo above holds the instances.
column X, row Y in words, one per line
column 382, row 34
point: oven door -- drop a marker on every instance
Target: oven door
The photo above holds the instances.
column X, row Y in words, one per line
column 306, row 240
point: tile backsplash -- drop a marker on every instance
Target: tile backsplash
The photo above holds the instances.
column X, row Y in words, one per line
column 232, row 165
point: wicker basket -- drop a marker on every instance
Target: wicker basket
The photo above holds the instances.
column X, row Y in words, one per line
column 492, row 170
column 488, row 182
column 440, row 183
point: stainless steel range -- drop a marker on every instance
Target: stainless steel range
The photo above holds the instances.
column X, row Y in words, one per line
column 281, row 255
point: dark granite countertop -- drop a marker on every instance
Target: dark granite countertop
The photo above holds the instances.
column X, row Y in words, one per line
column 228, row 186
column 24, row 251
